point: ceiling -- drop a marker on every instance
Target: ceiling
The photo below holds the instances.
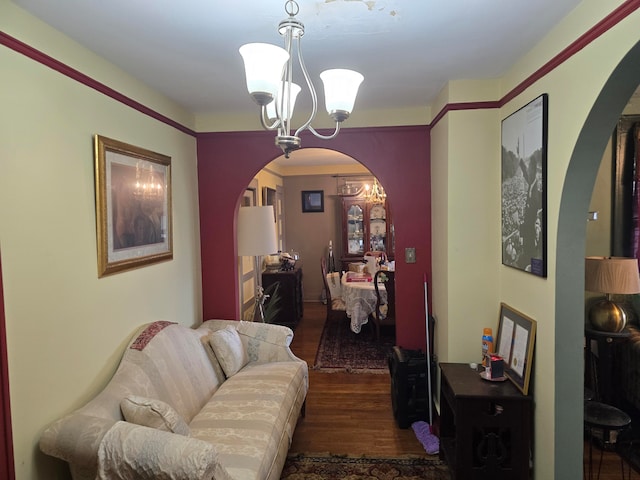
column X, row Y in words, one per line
column 407, row 50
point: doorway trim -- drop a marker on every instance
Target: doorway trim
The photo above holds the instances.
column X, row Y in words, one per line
column 7, row 468
column 571, row 245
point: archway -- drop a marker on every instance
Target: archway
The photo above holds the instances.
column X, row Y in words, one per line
column 569, row 309
column 397, row 156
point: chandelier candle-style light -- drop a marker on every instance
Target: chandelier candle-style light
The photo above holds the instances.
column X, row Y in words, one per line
column 374, row 194
column 148, row 185
column 269, row 74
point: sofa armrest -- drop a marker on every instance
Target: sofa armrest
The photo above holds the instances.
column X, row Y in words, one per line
column 132, row 451
column 264, row 342
column 75, row 439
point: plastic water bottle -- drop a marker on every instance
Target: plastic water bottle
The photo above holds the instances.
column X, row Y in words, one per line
column 487, row 344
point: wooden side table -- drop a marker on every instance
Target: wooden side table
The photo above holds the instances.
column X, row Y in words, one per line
column 485, row 427
column 291, row 294
column 606, row 377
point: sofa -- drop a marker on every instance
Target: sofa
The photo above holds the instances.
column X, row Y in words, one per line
column 220, row 401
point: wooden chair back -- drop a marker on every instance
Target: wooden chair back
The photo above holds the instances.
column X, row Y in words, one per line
column 385, row 312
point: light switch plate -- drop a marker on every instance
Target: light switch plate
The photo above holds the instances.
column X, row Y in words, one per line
column 410, row 255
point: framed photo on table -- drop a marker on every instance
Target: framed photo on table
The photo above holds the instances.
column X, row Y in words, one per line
column 515, row 344
column 133, row 206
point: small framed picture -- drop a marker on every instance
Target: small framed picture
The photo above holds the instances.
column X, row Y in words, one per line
column 312, row 201
column 515, row 343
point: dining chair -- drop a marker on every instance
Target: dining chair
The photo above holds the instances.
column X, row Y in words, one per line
column 336, row 308
column 385, row 313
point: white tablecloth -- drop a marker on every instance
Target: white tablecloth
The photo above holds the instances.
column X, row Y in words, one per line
column 360, row 300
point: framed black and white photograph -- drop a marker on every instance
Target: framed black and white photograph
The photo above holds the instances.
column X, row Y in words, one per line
column 524, row 188
column 312, row 201
column 515, row 344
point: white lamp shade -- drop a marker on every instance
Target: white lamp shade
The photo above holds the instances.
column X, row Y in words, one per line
column 340, row 89
column 256, row 231
column 273, row 108
column 263, row 65
column 612, row 275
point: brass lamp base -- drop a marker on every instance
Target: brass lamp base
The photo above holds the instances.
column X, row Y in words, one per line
column 606, row 316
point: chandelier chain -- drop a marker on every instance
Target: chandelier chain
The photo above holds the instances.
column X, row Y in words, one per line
column 292, row 8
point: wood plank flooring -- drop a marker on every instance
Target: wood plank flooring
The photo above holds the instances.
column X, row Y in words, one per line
column 346, row 413
column 352, row 413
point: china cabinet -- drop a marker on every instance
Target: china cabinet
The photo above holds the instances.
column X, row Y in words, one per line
column 365, row 227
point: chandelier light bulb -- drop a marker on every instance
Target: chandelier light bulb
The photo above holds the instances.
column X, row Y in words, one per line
column 340, row 91
column 263, row 65
column 281, row 104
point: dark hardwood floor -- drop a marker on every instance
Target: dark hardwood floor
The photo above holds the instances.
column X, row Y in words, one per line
column 352, row 413
column 346, row 413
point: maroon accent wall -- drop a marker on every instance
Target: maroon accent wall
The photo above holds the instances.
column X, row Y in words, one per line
column 398, row 156
column 7, row 469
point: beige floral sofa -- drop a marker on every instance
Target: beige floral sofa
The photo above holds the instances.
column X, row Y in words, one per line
column 217, row 402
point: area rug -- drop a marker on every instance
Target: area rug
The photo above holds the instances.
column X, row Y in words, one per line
column 325, row 466
column 341, row 350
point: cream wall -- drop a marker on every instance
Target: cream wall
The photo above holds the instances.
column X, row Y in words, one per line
column 573, row 88
column 463, row 171
column 66, row 329
column 599, row 231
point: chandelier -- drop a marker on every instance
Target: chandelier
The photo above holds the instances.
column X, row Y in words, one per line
column 148, row 184
column 358, row 188
column 375, row 193
column 269, row 75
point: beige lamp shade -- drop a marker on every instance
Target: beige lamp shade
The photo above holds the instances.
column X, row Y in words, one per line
column 610, row 275
column 256, row 231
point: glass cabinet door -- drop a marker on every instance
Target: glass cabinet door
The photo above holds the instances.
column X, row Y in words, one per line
column 355, row 230
column 378, row 228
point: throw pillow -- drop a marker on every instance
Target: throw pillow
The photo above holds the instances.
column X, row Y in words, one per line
column 229, row 350
column 153, row 413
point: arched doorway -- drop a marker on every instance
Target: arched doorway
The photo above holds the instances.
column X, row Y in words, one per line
column 397, row 156
column 569, row 308
column 309, row 234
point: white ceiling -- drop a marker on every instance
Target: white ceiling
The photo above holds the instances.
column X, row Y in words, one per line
column 406, row 49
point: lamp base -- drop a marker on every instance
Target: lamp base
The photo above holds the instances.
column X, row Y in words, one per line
column 606, row 316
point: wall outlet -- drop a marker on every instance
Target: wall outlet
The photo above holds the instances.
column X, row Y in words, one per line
column 410, row 255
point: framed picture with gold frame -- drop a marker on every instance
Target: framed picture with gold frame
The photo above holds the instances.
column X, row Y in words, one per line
column 515, row 344
column 133, row 206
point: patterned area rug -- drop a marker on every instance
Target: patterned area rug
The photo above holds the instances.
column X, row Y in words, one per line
column 342, row 350
column 324, row 466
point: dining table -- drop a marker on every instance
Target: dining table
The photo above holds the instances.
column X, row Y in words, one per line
column 360, row 300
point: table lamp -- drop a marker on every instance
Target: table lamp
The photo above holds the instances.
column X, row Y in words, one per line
column 610, row 275
column 256, row 231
